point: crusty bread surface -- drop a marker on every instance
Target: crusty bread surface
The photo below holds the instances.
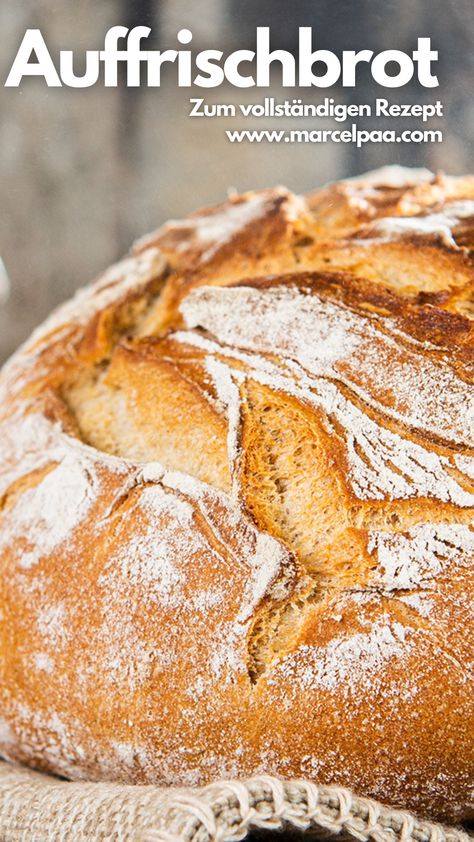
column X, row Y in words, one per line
column 236, row 502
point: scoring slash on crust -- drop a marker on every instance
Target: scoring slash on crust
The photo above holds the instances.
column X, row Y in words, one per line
column 237, row 495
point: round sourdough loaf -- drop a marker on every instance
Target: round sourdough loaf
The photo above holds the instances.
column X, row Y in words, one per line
column 237, row 494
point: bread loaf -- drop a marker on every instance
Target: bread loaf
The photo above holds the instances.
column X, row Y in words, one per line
column 237, row 494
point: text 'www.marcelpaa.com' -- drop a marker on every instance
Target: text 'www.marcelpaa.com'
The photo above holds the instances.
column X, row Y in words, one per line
column 354, row 135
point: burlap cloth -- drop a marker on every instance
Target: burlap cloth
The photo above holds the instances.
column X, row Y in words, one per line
column 36, row 807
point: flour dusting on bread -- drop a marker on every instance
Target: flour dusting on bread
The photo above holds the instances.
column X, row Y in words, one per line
column 413, row 560
column 236, row 501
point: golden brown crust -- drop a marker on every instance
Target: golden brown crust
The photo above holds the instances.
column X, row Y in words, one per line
column 236, row 502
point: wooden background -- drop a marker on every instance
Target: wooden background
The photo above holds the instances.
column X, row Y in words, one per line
column 84, row 172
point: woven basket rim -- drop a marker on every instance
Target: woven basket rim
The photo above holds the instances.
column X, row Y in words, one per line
column 49, row 808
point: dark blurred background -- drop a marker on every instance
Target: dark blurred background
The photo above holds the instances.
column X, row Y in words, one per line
column 84, row 172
